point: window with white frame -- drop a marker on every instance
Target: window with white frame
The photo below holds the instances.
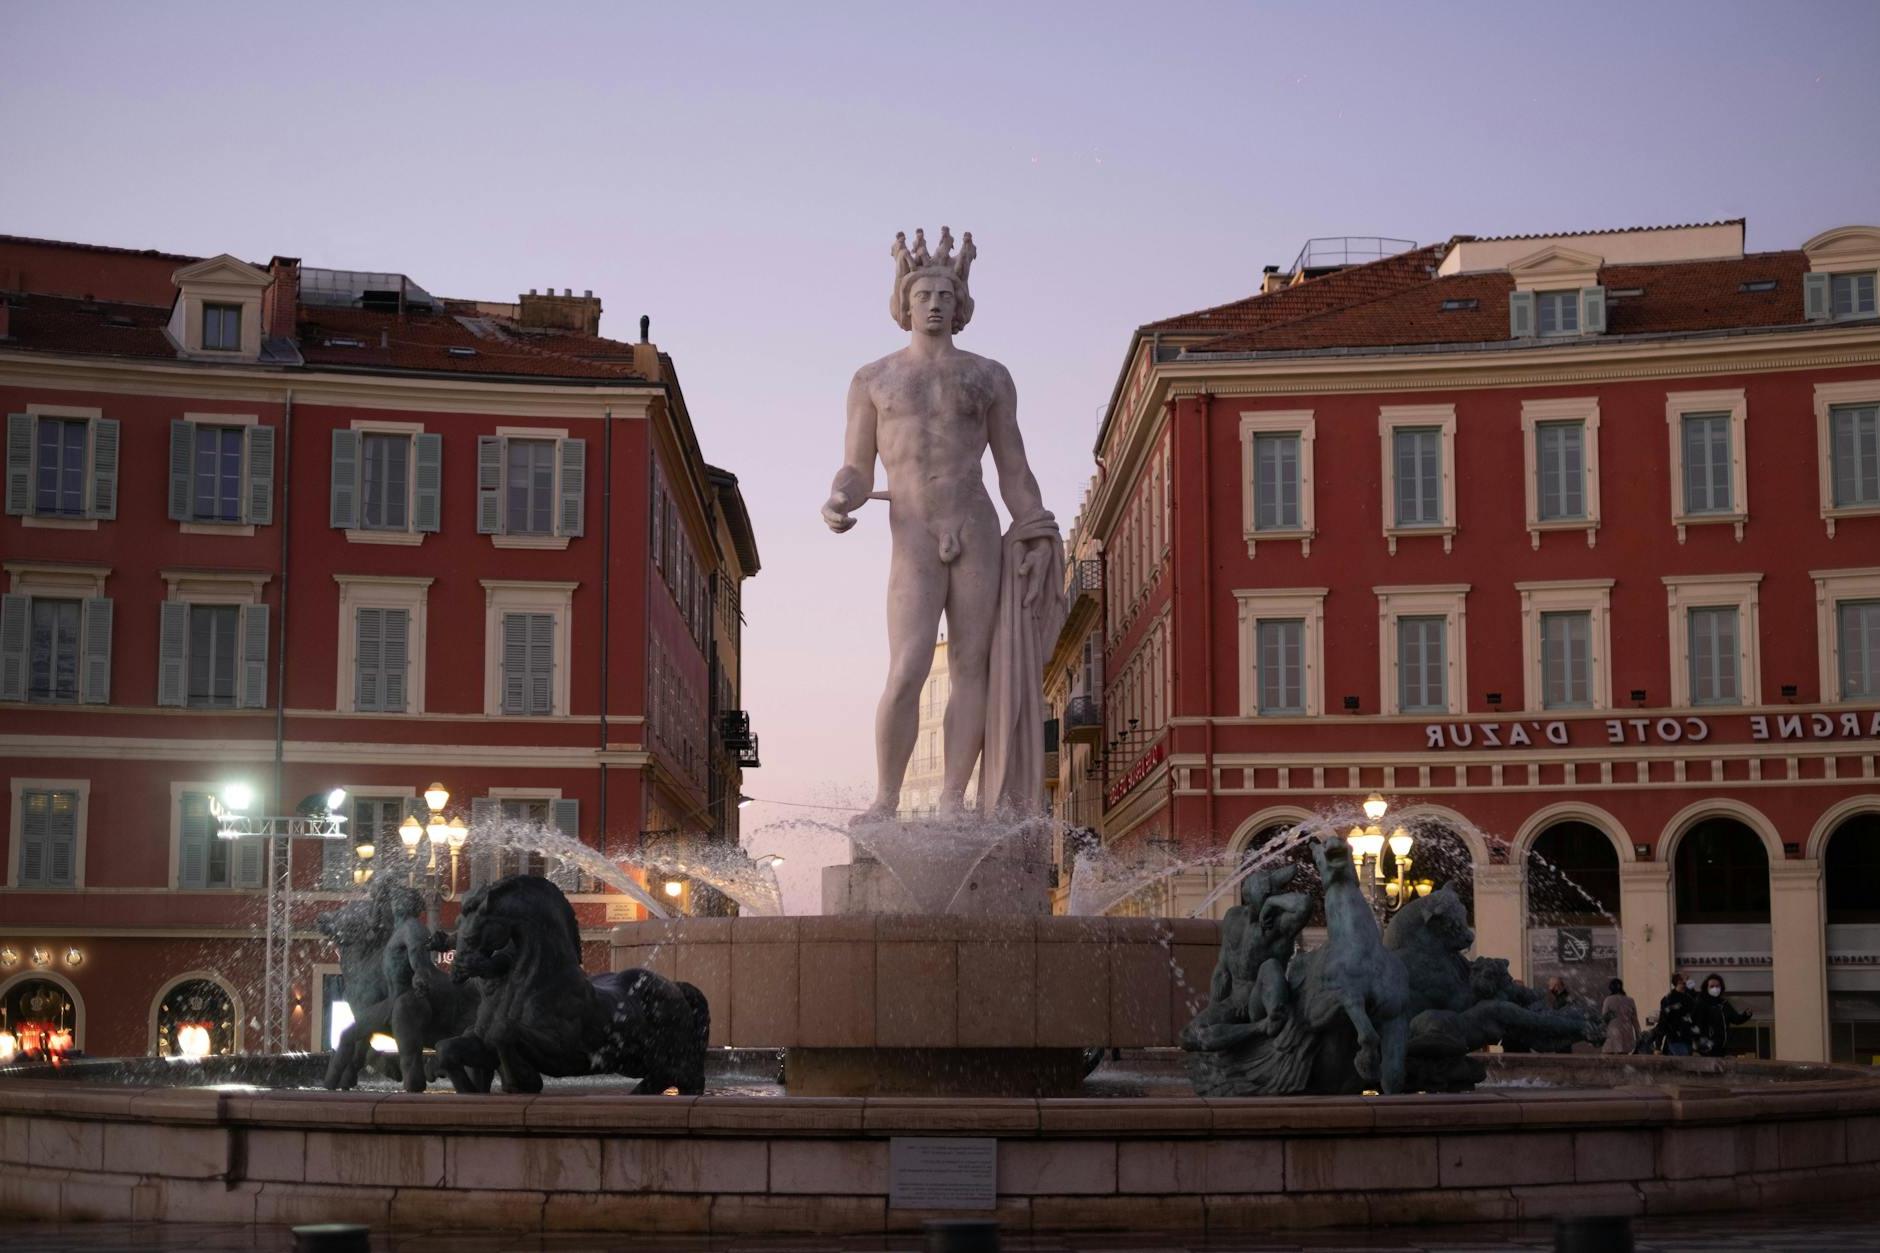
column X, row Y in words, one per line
column 1422, row 647
column 212, row 642
column 531, row 486
column 48, row 833
column 1557, row 312
column 1708, row 473
column 203, row 858
column 528, row 627
column 62, row 466
column 1847, row 632
column 387, row 482
column 1282, row 635
column 1851, row 295
column 221, row 327
column 374, row 820
column 1565, row 643
column 1847, row 437
column 1714, row 623
column 1561, row 436
column 1276, row 477
column 221, row 471
column 523, row 810
column 55, row 635
column 382, row 622
column 1419, row 449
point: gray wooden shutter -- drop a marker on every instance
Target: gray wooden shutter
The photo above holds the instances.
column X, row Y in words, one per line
column 254, row 646
column 573, row 486
column 173, row 654
column 1817, row 303
column 1592, row 310
column 344, row 495
column 566, row 815
column 61, row 840
column 336, row 857
column 484, row 814
column 427, row 503
column 94, row 666
column 15, row 635
column 33, row 824
column 515, row 688
column 368, row 659
column 489, row 484
column 248, row 859
column 182, row 458
column 192, row 854
column 19, row 463
column 260, row 475
column 1521, row 315
column 396, row 659
column 104, row 468
column 541, row 664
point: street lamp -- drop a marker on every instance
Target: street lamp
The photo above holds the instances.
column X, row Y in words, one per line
column 1375, row 807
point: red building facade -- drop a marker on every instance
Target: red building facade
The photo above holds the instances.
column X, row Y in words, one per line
column 1567, row 546
column 303, row 529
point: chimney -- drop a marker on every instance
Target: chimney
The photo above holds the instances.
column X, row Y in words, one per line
column 550, row 311
column 280, row 303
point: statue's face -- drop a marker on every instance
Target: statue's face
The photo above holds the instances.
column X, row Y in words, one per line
column 931, row 302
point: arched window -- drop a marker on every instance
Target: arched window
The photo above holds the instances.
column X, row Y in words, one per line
column 41, row 1017
column 1849, row 860
column 1573, row 876
column 1849, row 866
column 195, row 1018
column 1722, row 874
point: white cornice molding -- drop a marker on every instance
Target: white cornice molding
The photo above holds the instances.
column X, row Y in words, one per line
column 336, row 752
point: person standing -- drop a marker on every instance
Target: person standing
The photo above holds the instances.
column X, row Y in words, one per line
column 1620, row 1014
column 1713, row 1017
column 1676, row 1030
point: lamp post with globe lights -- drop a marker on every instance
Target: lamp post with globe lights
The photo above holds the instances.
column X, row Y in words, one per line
column 1387, row 895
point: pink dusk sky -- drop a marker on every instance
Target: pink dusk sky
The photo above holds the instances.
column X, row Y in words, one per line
column 737, row 171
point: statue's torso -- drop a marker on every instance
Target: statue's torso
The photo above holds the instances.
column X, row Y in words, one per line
column 930, row 430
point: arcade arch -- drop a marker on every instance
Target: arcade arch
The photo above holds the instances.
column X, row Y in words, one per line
column 16, row 991
column 166, row 1009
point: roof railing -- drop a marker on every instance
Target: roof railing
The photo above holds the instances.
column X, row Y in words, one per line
column 1337, row 251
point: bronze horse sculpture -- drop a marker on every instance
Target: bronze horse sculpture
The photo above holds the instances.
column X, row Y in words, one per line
column 543, row 1015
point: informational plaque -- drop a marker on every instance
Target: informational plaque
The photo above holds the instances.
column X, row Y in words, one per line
column 943, row 1172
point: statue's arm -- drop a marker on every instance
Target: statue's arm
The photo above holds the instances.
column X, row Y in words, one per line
column 1018, row 487
column 856, row 479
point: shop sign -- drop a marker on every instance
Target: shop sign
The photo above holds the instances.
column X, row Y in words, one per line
column 1137, row 773
column 1668, row 730
column 1573, row 945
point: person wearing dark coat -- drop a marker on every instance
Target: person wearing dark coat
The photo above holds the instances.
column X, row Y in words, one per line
column 1713, row 1017
column 1676, row 1029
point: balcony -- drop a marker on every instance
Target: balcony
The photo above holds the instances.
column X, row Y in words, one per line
column 1084, row 578
column 1083, row 720
column 734, row 732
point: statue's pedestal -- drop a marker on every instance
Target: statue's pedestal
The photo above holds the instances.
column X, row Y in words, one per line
column 964, row 864
column 998, row 886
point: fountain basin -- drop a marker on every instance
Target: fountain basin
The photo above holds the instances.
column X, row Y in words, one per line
column 1666, row 1135
column 925, row 1005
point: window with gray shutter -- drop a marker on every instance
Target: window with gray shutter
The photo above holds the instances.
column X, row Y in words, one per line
column 48, row 839
column 1557, row 312
column 182, row 470
column 254, row 654
column 1418, row 475
column 1276, row 482
column 1707, row 463
column 528, row 663
column 61, row 468
column 1561, row 470
column 1713, row 655
column 260, row 502
column 529, row 487
column 490, row 484
column 1851, row 295
column 381, row 659
column 53, row 672
column 1592, row 310
column 385, row 481
column 1857, row 625
column 427, row 488
column 213, row 665
column 94, row 676
column 202, row 855
column 1816, row 304
column 1520, row 315
column 216, row 479
column 16, row 619
column 1566, row 660
column 573, row 487
column 173, row 636
column 344, row 489
column 104, row 468
column 1854, row 432
column 1281, row 661
column 19, row 463
column 1422, row 665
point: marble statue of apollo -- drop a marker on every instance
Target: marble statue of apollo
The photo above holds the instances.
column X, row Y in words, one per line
column 929, row 412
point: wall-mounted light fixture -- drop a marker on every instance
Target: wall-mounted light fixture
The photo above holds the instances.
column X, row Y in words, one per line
column 1494, row 700
column 1638, row 697
column 1788, row 691
column 1351, row 704
column 74, row 956
column 9, row 957
column 1642, row 851
column 42, row 957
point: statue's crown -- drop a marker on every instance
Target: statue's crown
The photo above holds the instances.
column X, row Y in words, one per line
column 909, row 261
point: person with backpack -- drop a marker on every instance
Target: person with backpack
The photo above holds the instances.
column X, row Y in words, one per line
column 1676, row 1029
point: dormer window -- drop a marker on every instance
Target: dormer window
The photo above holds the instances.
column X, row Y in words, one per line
column 1558, row 312
column 1843, row 274
column 1851, row 295
column 222, row 328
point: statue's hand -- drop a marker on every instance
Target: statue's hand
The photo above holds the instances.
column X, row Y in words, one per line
column 836, row 514
column 1033, row 570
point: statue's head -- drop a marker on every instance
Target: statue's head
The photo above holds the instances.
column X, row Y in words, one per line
column 930, row 292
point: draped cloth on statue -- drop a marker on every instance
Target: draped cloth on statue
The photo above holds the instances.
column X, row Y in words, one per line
column 1011, row 774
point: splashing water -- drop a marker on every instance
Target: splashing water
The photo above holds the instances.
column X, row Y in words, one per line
column 722, row 867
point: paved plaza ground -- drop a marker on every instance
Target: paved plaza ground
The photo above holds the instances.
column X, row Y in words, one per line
column 1840, row 1228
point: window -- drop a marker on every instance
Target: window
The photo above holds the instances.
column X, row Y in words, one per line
column 374, row 820
column 385, row 481
column 1857, row 626
column 217, row 492
column 61, row 466
column 212, row 655
column 1282, row 666
column 531, row 487
column 528, row 663
column 204, row 858
column 1281, row 641
column 1561, row 471
column 1713, row 655
column 1855, row 432
column 1419, row 451
column 55, row 651
column 1707, row 463
column 1851, row 295
column 1708, row 459
column 1714, row 619
column 48, row 838
column 556, row 817
column 1421, row 665
column 1276, row 482
column 1558, row 312
column 1417, row 474
column 1566, row 660
column 222, row 327
column 1566, row 636
column 381, row 659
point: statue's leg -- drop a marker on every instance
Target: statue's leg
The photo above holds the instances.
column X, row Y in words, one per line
column 1272, row 1000
column 917, row 585
column 518, row 1074
column 1367, row 1061
column 409, row 1017
column 1395, row 1043
column 972, row 608
column 348, row 1057
column 468, row 1061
